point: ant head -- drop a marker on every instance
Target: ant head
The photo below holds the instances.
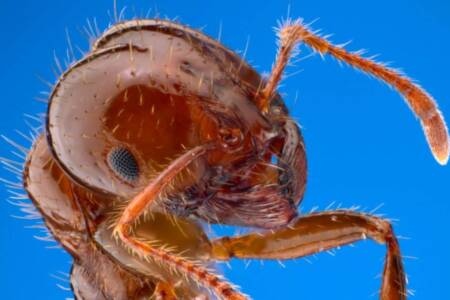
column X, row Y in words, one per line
column 146, row 92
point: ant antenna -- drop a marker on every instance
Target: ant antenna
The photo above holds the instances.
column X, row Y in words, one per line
column 291, row 33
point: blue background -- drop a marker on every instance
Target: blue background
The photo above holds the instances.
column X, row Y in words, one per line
column 364, row 145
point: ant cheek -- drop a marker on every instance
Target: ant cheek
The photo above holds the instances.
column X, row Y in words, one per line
column 155, row 125
column 75, row 121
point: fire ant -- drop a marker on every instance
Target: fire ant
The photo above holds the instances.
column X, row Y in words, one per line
column 159, row 128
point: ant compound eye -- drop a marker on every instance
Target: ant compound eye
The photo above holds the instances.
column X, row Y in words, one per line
column 123, row 163
column 230, row 138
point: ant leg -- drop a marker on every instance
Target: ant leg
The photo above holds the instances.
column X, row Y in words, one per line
column 319, row 232
column 164, row 291
column 294, row 32
column 141, row 202
column 138, row 206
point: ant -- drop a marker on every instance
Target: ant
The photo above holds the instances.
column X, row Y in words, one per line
column 159, row 128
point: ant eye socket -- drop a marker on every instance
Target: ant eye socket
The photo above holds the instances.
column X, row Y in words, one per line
column 230, row 138
column 123, row 163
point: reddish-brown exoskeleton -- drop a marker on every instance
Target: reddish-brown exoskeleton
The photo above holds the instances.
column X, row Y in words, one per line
column 158, row 128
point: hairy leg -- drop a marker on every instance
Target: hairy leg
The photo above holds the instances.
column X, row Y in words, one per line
column 319, row 232
column 141, row 202
column 423, row 105
column 138, row 205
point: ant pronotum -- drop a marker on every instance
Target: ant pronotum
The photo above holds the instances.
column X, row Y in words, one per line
column 159, row 127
